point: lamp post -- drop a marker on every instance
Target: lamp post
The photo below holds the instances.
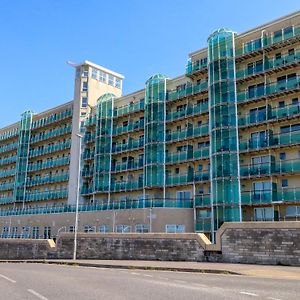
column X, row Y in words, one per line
column 77, row 198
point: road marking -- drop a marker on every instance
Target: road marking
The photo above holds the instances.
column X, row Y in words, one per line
column 132, row 273
column 249, row 294
column 38, row 295
column 7, row 278
column 271, row 298
column 147, row 275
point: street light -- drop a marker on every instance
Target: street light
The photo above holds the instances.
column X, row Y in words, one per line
column 77, row 198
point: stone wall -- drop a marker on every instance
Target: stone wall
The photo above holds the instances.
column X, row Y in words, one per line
column 174, row 247
column 25, row 249
column 271, row 243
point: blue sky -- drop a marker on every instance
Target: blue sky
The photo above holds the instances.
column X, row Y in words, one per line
column 134, row 38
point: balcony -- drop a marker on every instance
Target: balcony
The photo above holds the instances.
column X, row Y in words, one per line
column 88, row 155
column 49, row 149
column 192, row 132
column 129, row 108
column 269, row 90
column 202, row 200
column 271, row 140
column 187, row 155
column 8, row 147
column 273, row 114
column 57, row 162
column 7, row 173
column 87, row 173
column 9, row 134
column 47, row 179
column 8, row 160
column 131, row 145
column 269, row 66
column 190, row 90
column 188, row 178
column 7, row 186
column 48, row 195
column 6, row 200
column 89, row 138
column 132, row 126
column 90, row 121
column 52, row 118
column 127, row 166
column 54, row 133
column 203, row 225
column 196, row 67
column 118, row 186
column 189, row 111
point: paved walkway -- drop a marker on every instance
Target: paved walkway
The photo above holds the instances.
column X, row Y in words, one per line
column 275, row 272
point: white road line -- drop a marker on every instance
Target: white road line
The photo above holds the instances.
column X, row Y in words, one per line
column 38, row 295
column 271, row 298
column 133, row 273
column 147, row 275
column 249, row 294
column 7, row 278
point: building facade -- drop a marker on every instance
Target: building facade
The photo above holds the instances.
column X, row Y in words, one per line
column 220, row 143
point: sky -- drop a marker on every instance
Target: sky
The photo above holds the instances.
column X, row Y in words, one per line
column 134, row 38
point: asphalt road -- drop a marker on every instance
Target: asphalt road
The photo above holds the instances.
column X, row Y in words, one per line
column 40, row 281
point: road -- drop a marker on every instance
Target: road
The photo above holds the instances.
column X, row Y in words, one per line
column 47, row 282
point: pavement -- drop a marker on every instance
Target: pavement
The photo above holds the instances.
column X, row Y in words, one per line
column 261, row 271
column 19, row 281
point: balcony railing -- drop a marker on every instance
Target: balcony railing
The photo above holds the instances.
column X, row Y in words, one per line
column 273, row 140
column 48, row 195
column 7, row 186
column 8, row 160
column 187, row 155
column 202, row 200
column 187, row 178
column 188, row 111
column 49, row 149
column 49, row 164
column 9, row 134
column 127, row 166
column 195, row 66
column 132, row 126
column 52, row 118
column 7, row 173
column 113, row 205
column 131, row 145
column 188, row 133
column 126, row 186
column 48, row 179
column 6, row 200
column 269, row 89
column 47, row 135
column 129, row 108
column 8, row 147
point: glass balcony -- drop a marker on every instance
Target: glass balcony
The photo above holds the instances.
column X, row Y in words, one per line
column 270, row 64
column 8, row 160
column 7, row 173
column 8, row 147
column 258, row 197
column 203, row 225
column 131, row 145
column 269, row 89
column 188, row 133
column 127, row 166
column 271, row 140
column 132, row 126
column 85, row 190
column 49, row 149
column 49, row 164
column 126, row 185
column 188, row 111
column 87, row 155
column 198, row 65
column 202, row 200
column 89, row 138
column 9, row 134
column 7, row 186
column 188, row 91
column 289, row 195
column 87, row 173
column 187, row 155
column 6, row 200
column 47, row 179
column 90, row 121
column 54, row 133
column 130, row 108
column 48, row 195
column 52, row 118
column 187, row 178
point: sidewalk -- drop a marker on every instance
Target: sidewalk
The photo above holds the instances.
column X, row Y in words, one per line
column 275, row 272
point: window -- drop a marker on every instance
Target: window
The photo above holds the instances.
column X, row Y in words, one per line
column 258, row 160
column 292, row 211
column 89, row 228
column 25, row 232
column 204, row 214
column 290, row 128
column 259, row 139
column 47, row 232
column 104, row 228
column 142, row 228
column 200, row 168
column 102, row 76
column 123, row 228
column 35, row 232
column 94, row 73
column 295, row 101
column 183, row 195
column 110, row 80
column 84, row 102
column 177, row 171
column 72, row 228
column 264, row 214
column 118, row 83
column 84, row 86
column 291, row 52
column 281, row 104
column 85, row 73
column 282, row 156
column 258, row 114
column 175, row 228
column 14, row 232
column 284, row 183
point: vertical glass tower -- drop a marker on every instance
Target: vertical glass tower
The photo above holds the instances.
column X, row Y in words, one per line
column 22, row 156
column 155, row 130
column 103, row 145
column 224, row 146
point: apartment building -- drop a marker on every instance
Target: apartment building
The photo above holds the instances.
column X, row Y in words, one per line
column 217, row 144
